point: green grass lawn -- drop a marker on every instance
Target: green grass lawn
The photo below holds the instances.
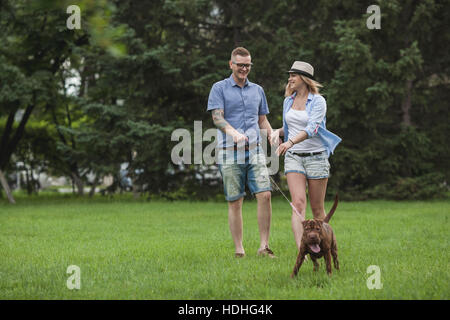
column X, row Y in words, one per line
column 129, row 249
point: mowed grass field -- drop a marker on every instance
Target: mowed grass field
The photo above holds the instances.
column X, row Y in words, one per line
column 128, row 249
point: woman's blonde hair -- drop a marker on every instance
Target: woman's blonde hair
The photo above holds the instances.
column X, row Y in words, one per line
column 312, row 86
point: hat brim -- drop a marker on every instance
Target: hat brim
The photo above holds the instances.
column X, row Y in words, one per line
column 303, row 73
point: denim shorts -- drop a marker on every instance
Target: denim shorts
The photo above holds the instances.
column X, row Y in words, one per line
column 313, row 167
column 240, row 168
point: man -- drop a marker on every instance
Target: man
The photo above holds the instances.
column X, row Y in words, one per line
column 239, row 109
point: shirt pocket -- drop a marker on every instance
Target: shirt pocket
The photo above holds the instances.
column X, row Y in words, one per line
column 253, row 102
column 233, row 103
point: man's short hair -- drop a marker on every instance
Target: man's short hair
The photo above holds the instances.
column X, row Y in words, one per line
column 241, row 51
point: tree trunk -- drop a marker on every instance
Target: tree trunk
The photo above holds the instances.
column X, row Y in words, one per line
column 79, row 183
column 8, row 146
column 94, row 185
column 135, row 188
column 5, row 186
column 29, row 187
column 5, row 138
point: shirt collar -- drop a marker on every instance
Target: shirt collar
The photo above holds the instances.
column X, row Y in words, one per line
column 233, row 83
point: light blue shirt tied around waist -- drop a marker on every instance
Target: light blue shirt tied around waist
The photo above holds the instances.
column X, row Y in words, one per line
column 316, row 107
column 242, row 108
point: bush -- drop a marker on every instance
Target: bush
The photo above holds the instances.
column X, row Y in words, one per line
column 429, row 186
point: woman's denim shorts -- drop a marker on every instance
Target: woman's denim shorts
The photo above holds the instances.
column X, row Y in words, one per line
column 313, row 167
column 238, row 169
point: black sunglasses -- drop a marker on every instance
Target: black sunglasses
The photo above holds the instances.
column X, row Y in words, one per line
column 242, row 65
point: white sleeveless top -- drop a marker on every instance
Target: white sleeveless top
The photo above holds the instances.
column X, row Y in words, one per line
column 297, row 121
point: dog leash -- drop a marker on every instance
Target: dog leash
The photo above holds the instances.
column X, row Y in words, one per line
column 279, row 189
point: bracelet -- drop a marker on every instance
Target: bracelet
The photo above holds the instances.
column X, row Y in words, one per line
column 291, row 141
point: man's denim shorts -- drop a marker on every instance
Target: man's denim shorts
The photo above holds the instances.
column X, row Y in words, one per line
column 241, row 167
column 313, row 167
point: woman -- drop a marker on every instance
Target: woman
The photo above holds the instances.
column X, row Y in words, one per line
column 307, row 144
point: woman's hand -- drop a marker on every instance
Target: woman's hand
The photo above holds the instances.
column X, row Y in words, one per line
column 281, row 150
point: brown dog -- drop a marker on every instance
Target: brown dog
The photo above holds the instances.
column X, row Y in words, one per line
column 319, row 241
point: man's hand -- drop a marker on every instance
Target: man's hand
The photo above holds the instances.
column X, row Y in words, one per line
column 239, row 138
column 275, row 137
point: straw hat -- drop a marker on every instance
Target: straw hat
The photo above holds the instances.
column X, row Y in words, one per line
column 303, row 68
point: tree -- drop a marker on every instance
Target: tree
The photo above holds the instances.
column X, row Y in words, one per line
column 39, row 33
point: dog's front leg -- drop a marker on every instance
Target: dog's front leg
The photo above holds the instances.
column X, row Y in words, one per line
column 298, row 263
column 334, row 253
column 316, row 264
column 327, row 257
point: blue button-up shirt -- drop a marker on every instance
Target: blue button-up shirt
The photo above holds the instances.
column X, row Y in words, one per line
column 242, row 108
column 316, row 107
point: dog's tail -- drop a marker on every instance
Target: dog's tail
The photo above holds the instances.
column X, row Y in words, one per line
column 330, row 214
